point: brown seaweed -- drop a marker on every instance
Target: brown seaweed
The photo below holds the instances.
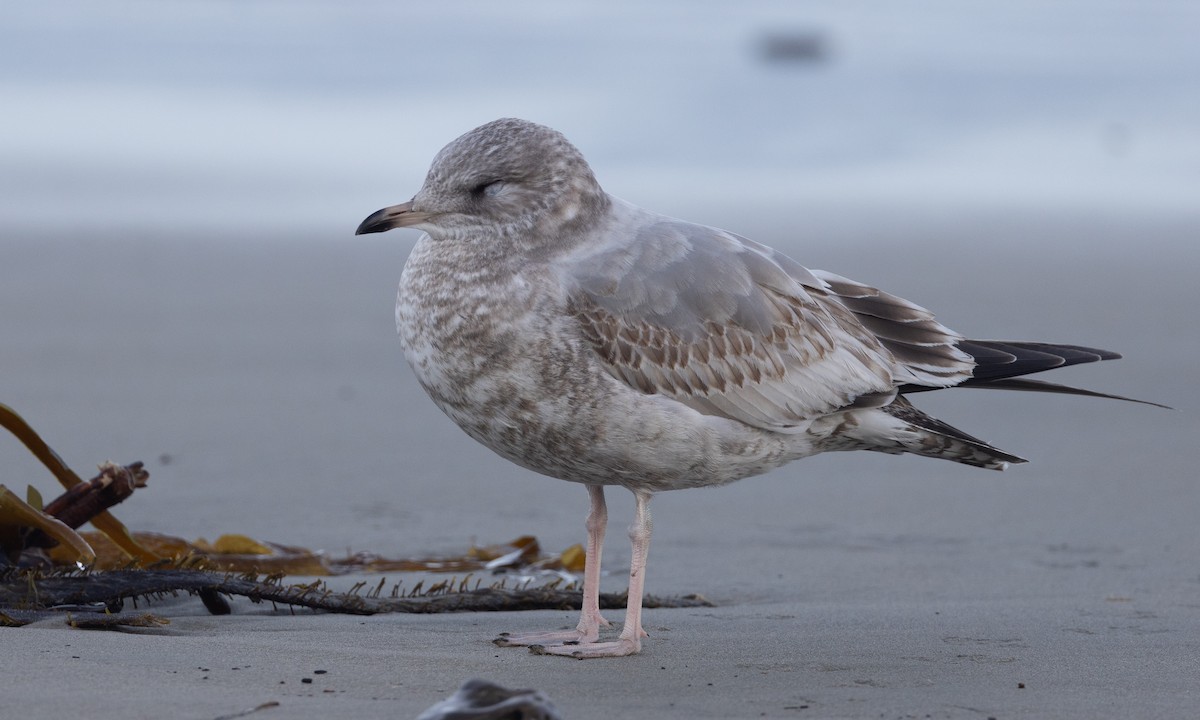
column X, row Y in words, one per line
column 20, row 520
column 118, row 565
column 79, row 504
column 243, row 554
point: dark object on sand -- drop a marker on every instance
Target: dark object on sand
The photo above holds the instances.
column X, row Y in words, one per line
column 478, row 699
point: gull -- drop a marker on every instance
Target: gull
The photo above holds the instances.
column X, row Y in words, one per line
column 589, row 340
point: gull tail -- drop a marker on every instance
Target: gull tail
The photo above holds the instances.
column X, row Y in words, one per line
column 901, row 428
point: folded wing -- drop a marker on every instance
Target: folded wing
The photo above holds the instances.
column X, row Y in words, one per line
column 732, row 328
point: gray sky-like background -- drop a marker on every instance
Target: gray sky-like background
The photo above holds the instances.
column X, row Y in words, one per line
column 306, row 115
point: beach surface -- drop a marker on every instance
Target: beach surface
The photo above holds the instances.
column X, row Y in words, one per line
column 260, row 379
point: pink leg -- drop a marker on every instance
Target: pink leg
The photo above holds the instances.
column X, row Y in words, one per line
column 590, row 619
column 630, row 641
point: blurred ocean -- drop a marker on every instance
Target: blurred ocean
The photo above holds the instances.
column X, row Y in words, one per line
column 302, row 115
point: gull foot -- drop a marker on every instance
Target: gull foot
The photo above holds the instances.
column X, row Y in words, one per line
column 587, row 651
column 559, row 637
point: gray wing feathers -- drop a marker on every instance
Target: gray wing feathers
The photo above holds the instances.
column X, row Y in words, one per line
column 721, row 324
column 925, row 351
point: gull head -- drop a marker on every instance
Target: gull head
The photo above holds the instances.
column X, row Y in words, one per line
column 509, row 178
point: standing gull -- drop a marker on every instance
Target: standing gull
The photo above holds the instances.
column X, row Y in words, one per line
column 589, row 340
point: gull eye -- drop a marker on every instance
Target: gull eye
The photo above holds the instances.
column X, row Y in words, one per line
column 487, row 189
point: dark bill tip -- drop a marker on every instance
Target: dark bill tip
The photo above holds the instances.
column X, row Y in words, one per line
column 401, row 215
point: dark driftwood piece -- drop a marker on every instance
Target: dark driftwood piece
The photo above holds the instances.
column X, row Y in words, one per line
column 79, row 507
column 110, row 589
column 82, row 502
column 86, row 620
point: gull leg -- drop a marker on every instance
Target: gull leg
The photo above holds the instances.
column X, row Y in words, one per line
column 630, row 641
column 590, row 619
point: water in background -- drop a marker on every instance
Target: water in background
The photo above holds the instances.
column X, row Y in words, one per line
column 287, row 115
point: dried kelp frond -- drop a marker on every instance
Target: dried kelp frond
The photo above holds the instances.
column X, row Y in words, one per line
column 19, row 521
column 113, row 484
column 94, row 599
column 109, row 589
column 85, row 619
column 16, row 425
column 104, row 621
column 230, row 553
column 523, row 554
column 243, row 554
column 83, row 501
column 26, row 528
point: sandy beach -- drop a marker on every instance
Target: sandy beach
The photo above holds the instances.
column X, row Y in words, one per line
column 260, row 379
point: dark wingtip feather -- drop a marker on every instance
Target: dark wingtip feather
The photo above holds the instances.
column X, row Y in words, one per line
column 1048, row 387
column 1000, row 363
column 995, row 359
